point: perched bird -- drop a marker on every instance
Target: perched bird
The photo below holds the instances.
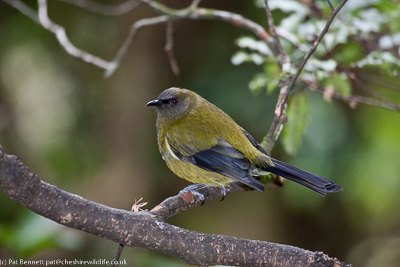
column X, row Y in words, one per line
column 202, row 144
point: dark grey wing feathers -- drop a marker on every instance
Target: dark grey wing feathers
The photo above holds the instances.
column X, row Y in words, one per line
column 254, row 142
column 223, row 159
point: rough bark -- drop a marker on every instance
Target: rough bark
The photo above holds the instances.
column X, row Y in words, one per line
column 148, row 229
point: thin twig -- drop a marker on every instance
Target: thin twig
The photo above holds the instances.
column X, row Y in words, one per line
column 107, row 10
column 281, row 106
column 282, row 58
column 129, row 39
column 169, row 15
column 330, row 5
column 195, row 3
column 115, row 262
column 169, row 44
column 371, row 92
column 136, row 207
column 187, row 13
column 62, row 38
column 192, row 12
column 24, row 9
column 187, row 200
column 379, row 78
column 353, row 100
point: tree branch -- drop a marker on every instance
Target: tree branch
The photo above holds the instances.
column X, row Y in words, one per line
column 191, row 12
column 287, row 85
column 168, row 15
column 24, row 9
column 146, row 229
column 187, row 200
column 282, row 57
column 169, row 44
column 388, row 102
column 63, row 39
column 106, row 10
column 114, row 64
column 352, row 100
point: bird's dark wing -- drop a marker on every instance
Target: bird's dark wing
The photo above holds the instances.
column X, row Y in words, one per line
column 223, row 159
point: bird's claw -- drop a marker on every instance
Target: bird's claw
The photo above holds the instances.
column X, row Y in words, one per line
column 223, row 192
column 193, row 188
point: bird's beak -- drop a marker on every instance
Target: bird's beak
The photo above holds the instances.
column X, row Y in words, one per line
column 155, row 102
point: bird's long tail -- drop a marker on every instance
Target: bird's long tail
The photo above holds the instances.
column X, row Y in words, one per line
column 315, row 182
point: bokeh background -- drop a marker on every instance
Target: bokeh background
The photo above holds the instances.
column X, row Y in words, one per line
column 94, row 137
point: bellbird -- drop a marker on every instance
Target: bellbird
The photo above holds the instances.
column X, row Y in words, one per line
column 202, row 144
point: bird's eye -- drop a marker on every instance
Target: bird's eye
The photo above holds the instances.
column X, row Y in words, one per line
column 174, row 101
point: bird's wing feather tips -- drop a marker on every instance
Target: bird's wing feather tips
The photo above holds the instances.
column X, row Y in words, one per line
column 254, row 142
column 227, row 164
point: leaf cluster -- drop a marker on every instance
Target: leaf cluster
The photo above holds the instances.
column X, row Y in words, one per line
column 362, row 38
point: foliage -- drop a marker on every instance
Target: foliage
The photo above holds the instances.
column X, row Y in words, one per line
column 364, row 34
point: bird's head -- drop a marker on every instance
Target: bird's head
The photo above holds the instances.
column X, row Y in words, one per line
column 174, row 103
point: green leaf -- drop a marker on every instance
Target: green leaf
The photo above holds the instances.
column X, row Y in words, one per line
column 384, row 60
column 295, row 128
column 266, row 179
column 348, row 53
column 340, row 83
column 272, row 85
column 257, row 83
column 272, row 72
column 269, row 79
column 314, row 64
column 254, row 45
column 242, row 57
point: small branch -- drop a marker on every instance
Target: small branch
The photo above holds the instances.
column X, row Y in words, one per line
column 136, row 207
column 288, row 84
column 168, row 15
column 106, row 10
column 144, row 229
column 371, row 92
column 187, row 200
column 24, row 9
column 117, row 256
column 171, row 15
column 129, row 39
column 313, row 7
column 330, row 5
column 195, row 3
column 282, row 58
column 379, row 79
column 192, row 12
column 62, row 38
column 169, row 44
column 284, row 98
column 276, row 127
column 353, row 100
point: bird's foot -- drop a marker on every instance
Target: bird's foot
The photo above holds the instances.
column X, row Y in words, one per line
column 223, row 192
column 193, row 188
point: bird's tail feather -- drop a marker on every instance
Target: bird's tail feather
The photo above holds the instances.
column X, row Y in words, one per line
column 315, row 182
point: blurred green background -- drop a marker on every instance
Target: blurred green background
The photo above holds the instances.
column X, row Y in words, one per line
column 94, row 137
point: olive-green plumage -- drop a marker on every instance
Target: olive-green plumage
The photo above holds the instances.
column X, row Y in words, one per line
column 202, row 144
